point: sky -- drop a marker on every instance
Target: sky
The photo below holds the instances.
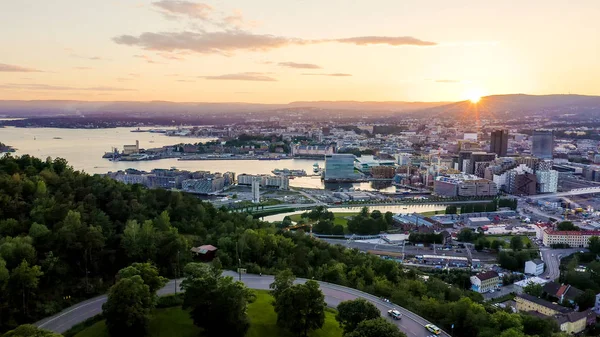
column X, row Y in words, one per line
column 280, row 51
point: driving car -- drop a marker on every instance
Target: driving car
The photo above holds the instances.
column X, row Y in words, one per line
column 433, row 328
column 395, row 314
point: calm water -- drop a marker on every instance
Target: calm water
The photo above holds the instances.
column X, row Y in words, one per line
column 83, row 148
column 382, row 209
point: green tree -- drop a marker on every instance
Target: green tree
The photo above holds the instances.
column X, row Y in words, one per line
column 534, row 289
column 378, row 327
column 301, row 308
column 217, row 304
column 24, row 280
column 29, row 330
column 516, row 243
column 147, row 272
column 351, row 313
column 283, row 280
column 128, row 307
column 594, row 245
column 586, row 300
column 566, row 226
column 496, row 244
column 451, row 209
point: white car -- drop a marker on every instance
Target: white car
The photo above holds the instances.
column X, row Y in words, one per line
column 395, row 314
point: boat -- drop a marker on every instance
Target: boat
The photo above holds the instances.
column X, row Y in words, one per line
column 56, row 138
column 269, row 158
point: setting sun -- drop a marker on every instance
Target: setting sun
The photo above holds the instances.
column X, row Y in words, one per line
column 474, row 95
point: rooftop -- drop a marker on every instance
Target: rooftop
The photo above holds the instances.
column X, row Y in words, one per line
column 544, row 303
column 487, row 275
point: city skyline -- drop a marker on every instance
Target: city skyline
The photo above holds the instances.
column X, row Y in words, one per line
column 274, row 52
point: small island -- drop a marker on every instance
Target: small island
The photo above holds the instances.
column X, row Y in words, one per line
column 5, row 148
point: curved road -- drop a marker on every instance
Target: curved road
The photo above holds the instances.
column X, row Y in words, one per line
column 411, row 324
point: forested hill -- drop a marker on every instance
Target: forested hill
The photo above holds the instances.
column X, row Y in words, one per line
column 65, row 234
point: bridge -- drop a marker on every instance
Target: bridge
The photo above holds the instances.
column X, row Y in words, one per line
column 577, row 191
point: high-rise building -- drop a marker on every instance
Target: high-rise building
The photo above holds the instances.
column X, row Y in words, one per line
column 339, row 167
column 542, row 144
column 547, row 181
column 256, row 189
column 499, row 142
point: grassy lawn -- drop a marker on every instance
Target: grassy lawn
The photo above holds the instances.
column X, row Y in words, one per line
column 171, row 322
column 506, row 239
column 339, row 218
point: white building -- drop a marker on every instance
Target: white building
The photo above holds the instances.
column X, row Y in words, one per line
column 534, row 267
column 256, row 190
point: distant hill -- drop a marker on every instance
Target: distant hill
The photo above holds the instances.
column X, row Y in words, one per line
column 500, row 106
column 369, row 105
column 515, row 105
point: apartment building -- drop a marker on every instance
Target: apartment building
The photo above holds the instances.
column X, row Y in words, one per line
column 484, row 282
column 576, row 239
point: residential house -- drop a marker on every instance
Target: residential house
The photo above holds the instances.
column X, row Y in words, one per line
column 205, row 253
column 562, row 292
column 484, row 282
column 569, row 321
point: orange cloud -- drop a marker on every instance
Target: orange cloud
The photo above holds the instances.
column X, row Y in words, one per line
column 13, row 68
column 248, row 76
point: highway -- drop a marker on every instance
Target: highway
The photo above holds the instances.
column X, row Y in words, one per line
column 552, row 257
column 411, row 324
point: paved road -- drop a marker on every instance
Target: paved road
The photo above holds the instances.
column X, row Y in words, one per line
column 411, row 324
column 552, row 257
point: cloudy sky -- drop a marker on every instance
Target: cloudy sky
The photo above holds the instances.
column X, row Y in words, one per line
column 278, row 51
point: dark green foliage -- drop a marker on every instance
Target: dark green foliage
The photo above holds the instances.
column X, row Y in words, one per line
column 128, row 307
column 567, row 226
column 147, row 272
column 468, row 235
column 301, row 308
column 586, row 300
column 516, row 243
column 369, row 223
column 352, row 313
column 534, row 289
column 451, row 209
column 515, row 261
column 217, row 304
column 78, row 230
column 30, row 331
column 594, row 245
column 426, row 238
column 377, row 327
column 169, row 301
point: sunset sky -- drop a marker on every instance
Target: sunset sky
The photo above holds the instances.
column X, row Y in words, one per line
column 278, row 51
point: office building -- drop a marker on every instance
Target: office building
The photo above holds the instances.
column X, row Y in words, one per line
column 499, row 142
column 547, row 181
column 542, row 144
column 206, row 185
column 256, row 190
column 463, row 185
column 340, row 167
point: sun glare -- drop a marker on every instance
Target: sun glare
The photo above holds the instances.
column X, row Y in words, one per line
column 474, row 95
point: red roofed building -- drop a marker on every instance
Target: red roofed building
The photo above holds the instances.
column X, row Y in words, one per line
column 577, row 239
